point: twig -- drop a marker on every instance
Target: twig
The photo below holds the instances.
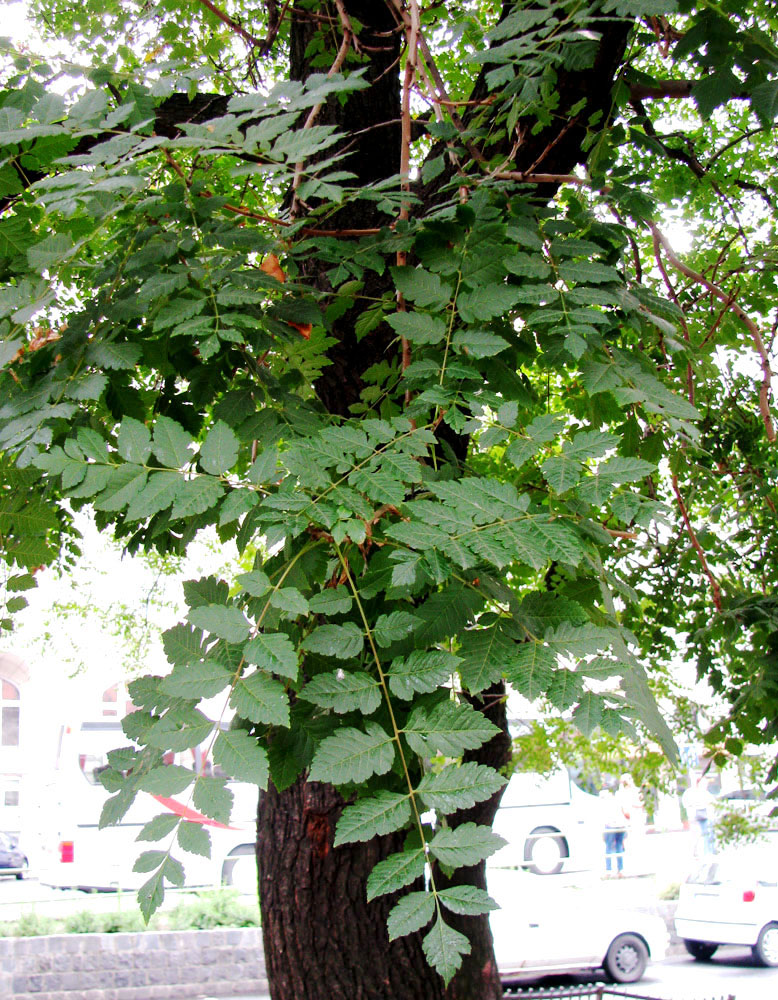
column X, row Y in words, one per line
column 753, row 329
column 340, row 58
column 715, row 589
column 517, row 175
column 231, row 24
column 674, row 296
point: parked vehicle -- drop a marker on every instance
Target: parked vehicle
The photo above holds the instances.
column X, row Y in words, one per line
column 85, row 857
column 732, row 898
column 539, row 931
column 13, row 860
column 550, row 824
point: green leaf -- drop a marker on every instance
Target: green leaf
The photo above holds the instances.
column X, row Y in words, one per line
column 159, row 827
column 420, row 286
column 394, row 627
column 444, row 948
column 479, row 343
column 183, row 644
column 212, row 798
column 459, row 787
column 115, row 808
column 394, row 872
column 344, row 692
column 290, row 600
column 255, row 583
column 484, row 653
column 274, row 652
column 195, row 496
column 332, row 601
column 485, row 302
column 260, row 698
column 340, row 641
column 410, row 914
column 562, row 472
column 227, row 623
column 764, row 102
column 467, row 899
column 159, row 493
column 113, row 355
column 587, row 272
column 151, row 895
column 134, row 441
column 351, row 755
column 417, row 327
column 149, row 860
column 464, row 845
column 169, row 780
column 421, row 671
column 219, row 451
column 531, row 668
column 242, row 756
column 194, row 839
column 196, row 680
column 449, row 729
column 376, row 816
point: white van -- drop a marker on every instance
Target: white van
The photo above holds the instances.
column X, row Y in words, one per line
column 85, row 857
column 550, row 825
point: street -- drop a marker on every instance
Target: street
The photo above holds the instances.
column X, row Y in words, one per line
column 730, row 973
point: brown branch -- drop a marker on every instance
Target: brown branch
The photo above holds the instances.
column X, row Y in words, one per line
column 753, row 329
column 715, row 589
column 660, row 89
column 231, row 24
column 517, row 175
column 340, row 58
column 674, row 296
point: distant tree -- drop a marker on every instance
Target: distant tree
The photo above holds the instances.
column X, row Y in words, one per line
column 389, row 287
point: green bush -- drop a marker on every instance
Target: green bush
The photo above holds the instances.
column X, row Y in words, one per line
column 213, row 908
column 30, row 924
column 735, row 827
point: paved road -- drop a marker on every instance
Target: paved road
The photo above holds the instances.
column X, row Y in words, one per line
column 730, row 974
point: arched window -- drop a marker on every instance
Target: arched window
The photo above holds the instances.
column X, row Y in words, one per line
column 9, row 714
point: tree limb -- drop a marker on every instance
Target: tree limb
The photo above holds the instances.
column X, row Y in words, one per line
column 753, row 329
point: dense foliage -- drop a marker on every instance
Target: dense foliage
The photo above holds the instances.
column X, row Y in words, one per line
column 385, row 294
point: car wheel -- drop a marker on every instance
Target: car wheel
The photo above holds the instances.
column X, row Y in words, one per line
column 23, row 870
column 766, row 948
column 545, row 851
column 627, row 959
column 701, row 950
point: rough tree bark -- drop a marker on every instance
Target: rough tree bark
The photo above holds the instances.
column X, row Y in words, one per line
column 323, row 941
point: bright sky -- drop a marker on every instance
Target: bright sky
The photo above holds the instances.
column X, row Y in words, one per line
column 14, row 21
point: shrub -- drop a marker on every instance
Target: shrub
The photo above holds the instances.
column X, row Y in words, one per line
column 213, row 908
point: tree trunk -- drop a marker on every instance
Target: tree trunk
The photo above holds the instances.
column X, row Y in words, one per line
column 323, row 940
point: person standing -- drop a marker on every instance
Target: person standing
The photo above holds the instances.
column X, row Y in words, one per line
column 615, row 832
column 698, row 803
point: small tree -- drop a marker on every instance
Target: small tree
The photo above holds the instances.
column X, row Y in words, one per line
column 387, row 287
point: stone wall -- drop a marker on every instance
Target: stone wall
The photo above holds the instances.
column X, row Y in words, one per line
column 142, row 966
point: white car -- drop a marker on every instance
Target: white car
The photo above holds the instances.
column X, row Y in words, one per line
column 540, row 930
column 732, row 898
